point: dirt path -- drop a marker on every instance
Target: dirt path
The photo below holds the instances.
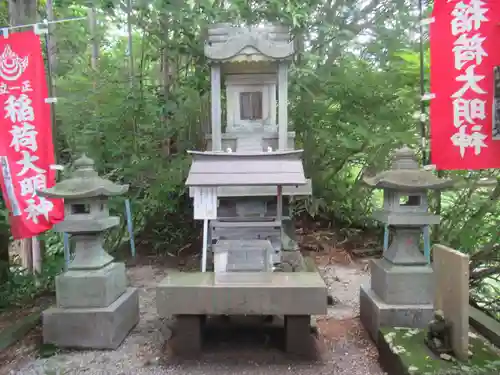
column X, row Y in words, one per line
column 342, row 343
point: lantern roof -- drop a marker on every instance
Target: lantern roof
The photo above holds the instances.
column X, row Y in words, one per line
column 84, row 183
column 406, row 175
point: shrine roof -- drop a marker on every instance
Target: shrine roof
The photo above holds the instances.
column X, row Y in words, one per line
column 246, row 169
column 226, row 42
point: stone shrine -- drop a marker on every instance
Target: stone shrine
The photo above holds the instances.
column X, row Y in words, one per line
column 95, row 308
column 401, row 291
column 252, row 62
column 238, row 191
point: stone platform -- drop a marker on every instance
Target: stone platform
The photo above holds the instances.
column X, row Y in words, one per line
column 246, row 293
column 192, row 296
column 92, row 328
column 375, row 313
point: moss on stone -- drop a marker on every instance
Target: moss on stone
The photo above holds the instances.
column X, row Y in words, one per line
column 417, row 359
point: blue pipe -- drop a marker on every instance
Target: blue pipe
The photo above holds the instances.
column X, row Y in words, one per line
column 130, row 226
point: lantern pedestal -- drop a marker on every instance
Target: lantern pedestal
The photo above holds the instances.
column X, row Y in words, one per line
column 95, row 309
column 102, row 287
column 92, row 328
column 375, row 313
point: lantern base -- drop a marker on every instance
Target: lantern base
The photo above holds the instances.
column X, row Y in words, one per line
column 400, row 285
column 375, row 313
column 92, row 328
column 94, row 288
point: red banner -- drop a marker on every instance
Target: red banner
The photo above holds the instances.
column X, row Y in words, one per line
column 26, row 147
column 464, row 42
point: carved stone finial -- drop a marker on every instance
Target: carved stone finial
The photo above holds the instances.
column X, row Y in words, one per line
column 84, row 167
column 84, row 162
column 405, row 158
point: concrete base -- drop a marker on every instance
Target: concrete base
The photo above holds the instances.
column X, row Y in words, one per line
column 101, row 287
column 92, row 328
column 191, row 331
column 187, row 339
column 253, row 293
column 397, row 285
column 297, row 334
column 375, row 313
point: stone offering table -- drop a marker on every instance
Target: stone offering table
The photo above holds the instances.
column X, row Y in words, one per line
column 95, row 308
column 295, row 295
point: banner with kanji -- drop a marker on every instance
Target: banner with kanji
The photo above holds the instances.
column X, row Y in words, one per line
column 26, row 147
column 465, row 48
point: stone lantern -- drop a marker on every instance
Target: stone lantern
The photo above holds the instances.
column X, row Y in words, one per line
column 401, row 292
column 95, row 308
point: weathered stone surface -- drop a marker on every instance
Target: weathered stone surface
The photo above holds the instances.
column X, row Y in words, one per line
column 451, row 268
column 375, row 313
column 405, row 175
column 396, row 284
column 277, row 293
column 404, row 247
column 92, row 328
column 94, row 288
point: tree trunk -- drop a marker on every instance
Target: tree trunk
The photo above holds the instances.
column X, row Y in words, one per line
column 4, row 255
column 22, row 12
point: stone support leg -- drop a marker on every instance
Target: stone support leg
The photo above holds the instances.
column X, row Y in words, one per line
column 297, row 334
column 187, row 341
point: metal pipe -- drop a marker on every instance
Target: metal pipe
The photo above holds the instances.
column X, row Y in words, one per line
column 205, row 245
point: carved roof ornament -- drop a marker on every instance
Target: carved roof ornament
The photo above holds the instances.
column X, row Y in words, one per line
column 84, row 183
column 226, row 42
column 406, row 175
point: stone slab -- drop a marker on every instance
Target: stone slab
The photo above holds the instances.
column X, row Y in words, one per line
column 75, row 225
column 406, row 219
column 92, row 288
column 270, row 293
column 452, row 295
column 375, row 313
column 405, row 285
column 92, row 328
column 261, row 191
column 485, row 325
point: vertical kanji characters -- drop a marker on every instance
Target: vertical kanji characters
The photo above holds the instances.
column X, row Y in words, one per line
column 469, row 100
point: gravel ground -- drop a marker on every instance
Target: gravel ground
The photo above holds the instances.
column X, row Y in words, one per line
column 342, row 344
